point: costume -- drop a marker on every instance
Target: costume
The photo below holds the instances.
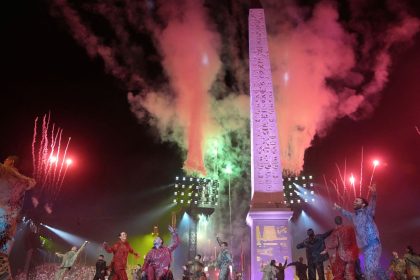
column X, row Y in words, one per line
column 413, row 266
column 269, row 272
column 397, row 268
column 343, row 259
column 280, row 270
column 69, row 259
column 100, row 270
column 301, row 270
column 367, row 236
column 158, row 260
column 121, row 249
column 12, row 189
column 224, row 261
column 314, row 246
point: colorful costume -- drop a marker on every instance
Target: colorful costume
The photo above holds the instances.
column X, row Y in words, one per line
column 397, row 268
column 343, row 259
column 224, row 260
column 12, row 189
column 367, row 236
column 119, row 261
column 158, row 260
column 413, row 266
column 69, row 259
column 314, row 246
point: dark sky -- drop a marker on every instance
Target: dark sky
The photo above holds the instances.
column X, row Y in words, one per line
column 119, row 161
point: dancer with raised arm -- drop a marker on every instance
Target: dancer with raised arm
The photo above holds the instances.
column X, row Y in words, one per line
column 121, row 249
column 68, row 261
column 224, row 260
column 367, row 233
column 158, row 260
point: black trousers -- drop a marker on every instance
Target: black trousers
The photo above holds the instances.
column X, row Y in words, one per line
column 314, row 268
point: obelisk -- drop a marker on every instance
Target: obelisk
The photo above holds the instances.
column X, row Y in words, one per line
column 268, row 217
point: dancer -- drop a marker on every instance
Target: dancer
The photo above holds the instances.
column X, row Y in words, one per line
column 343, row 259
column 13, row 186
column 197, row 268
column 121, row 249
column 397, row 268
column 301, row 269
column 367, row 234
column 69, row 259
column 315, row 244
column 224, row 260
column 100, row 268
column 158, row 260
column 280, row 270
column 269, row 270
column 413, row 263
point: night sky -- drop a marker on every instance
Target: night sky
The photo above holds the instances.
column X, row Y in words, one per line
column 122, row 168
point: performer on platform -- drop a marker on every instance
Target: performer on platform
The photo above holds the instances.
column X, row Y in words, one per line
column 315, row 244
column 158, row 260
column 13, row 186
column 121, row 249
column 367, row 233
column 100, row 268
column 343, row 258
column 301, row 269
column 69, row 259
column 224, row 260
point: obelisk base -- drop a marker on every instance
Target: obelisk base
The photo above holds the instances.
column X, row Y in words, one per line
column 270, row 239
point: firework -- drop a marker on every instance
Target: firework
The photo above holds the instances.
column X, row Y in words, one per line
column 50, row 162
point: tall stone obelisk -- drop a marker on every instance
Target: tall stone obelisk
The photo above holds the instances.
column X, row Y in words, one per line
column 268, row 217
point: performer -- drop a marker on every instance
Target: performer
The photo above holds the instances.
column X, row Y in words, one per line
column 224, row 260
column 367, row 234
column 315, row 244
column 121, row 249
column 343, row 258
column 397, row 268
column 158, row 260
column 301, row 269
column 413, row 264
column 100, row 268
column 197, row 269
column 269, row 270
column 69, row 259
column 280, row 270
column 13, row 186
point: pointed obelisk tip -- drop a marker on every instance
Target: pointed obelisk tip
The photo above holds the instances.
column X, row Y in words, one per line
column 255, row 4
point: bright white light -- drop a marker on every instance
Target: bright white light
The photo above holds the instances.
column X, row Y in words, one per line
column 175, row 193
column 291, row 201
column 312, row 192
column 303, row 178
column 298, row 200
column 375, row 162
column 305, row 192
column 310, row 176
column 177, row 178
column 69, row 161
column 313, row 199
column 53, row 159
column 174, row 200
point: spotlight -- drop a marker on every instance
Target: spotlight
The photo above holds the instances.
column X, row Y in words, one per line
column 174, row 200
column 177, row 178
column 313, row 199
column 291, row 201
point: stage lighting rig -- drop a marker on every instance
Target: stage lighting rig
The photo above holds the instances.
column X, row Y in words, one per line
column 196, row 192
column 298, row 190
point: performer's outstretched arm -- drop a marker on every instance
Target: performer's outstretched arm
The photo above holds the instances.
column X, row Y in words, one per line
column 175, row 239
column 81, row 248
column 372, row 200
column 343, row 212
column 219, row 241
column 109, row 249
column 131, row 250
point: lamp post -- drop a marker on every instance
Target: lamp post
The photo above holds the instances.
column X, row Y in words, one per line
column 228, row 171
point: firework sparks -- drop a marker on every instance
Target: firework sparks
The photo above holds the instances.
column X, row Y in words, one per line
column 48, row 158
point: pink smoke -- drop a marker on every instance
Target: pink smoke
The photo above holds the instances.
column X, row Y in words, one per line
column 308, row 53
column 189, row 46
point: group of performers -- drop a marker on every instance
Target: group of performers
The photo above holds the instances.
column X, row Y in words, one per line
column 340, row 245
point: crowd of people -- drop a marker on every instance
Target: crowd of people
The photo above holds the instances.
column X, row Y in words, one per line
column 47, row 271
